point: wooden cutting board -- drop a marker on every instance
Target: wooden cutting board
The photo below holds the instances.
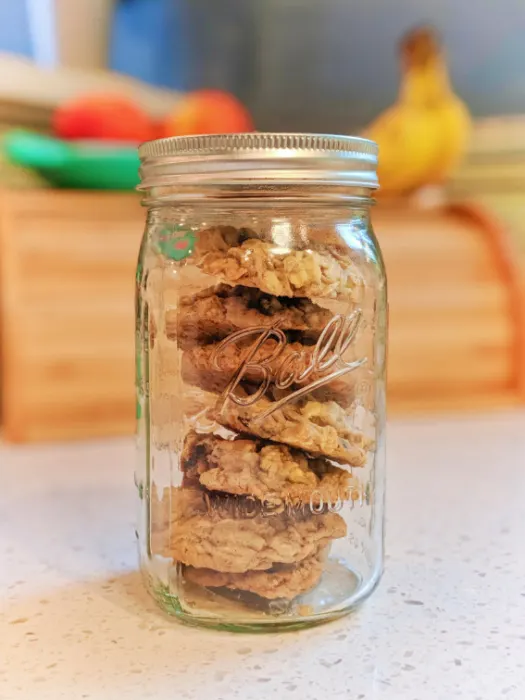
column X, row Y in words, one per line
column 457, row 320
column 67, row 264
column 67, row 288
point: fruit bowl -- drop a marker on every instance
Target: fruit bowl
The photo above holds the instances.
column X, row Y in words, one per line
column 92, row 165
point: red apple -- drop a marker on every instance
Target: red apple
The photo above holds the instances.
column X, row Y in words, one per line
column 108, row 117
column 208, row 112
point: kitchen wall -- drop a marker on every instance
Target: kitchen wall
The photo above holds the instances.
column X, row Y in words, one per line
column 330, row 66
column 298, row 64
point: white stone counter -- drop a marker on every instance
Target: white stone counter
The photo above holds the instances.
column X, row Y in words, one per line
column 447, row 622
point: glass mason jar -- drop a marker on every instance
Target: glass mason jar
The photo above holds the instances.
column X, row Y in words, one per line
column 261, row 342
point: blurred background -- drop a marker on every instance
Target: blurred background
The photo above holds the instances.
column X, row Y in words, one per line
column 440, row 86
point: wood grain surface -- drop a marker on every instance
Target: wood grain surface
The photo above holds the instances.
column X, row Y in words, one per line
column 67, row 313
column 67, row 263
column 456, row 309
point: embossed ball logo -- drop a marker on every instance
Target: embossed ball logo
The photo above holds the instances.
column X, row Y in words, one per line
column 312, row 369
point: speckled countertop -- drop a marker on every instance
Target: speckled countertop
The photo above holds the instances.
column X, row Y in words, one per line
column 448, row 620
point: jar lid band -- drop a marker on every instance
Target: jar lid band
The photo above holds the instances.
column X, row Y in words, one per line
column 257, row 156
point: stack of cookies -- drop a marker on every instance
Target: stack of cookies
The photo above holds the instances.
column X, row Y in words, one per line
column 260, row 495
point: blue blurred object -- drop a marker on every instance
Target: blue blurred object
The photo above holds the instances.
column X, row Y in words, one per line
column 15, row 34
column 149, row 41
column 188, row 44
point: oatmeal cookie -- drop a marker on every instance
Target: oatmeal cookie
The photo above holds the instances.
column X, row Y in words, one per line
column 219, row 311
column 206, row 537
column 238, row 257
column 321, row 429
column 281, row 581
column 248, row 467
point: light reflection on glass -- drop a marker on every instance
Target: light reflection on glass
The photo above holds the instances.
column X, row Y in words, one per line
column 282, row 237
column 356, row 237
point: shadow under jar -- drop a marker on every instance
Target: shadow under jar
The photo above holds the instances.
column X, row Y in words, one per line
column 261, row 341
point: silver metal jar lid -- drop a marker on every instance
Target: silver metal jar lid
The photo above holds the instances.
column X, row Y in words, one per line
column 259, row 157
